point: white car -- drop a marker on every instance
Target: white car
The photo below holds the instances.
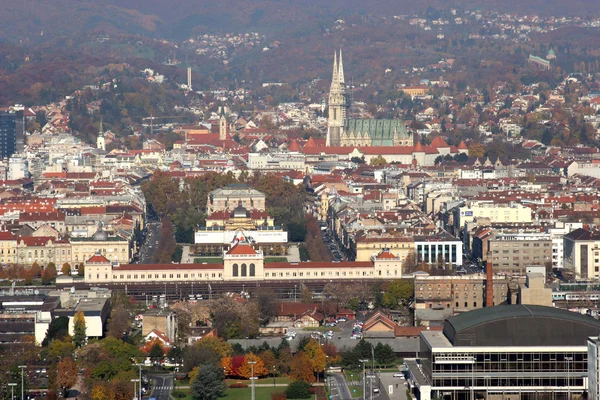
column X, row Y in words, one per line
column 398, row 375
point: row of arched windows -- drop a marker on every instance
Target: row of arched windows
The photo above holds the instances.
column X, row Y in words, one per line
column 244, row 270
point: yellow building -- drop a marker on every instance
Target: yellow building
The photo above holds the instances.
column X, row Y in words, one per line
column 497, row 213
column 368, row 245
column 8, row 247
column 243, row 263
column 114, row 248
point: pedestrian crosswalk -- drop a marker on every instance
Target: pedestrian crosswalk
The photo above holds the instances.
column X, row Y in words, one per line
column 163, row 387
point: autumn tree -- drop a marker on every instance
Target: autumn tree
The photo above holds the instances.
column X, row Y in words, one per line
column 225, row 363
column 301, row 368
column 81, row 270
column 66, row 269
column 79, row 329
column 476, row 150
column 66, row 376
column 166, row 242
column 49, row 273
column 269, row 360
column 378, row 161
column 208, row 385
column 246, row 369
column 317, row 356
column 118, row 322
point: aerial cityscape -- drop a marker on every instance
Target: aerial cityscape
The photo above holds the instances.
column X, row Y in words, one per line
column 286, row 199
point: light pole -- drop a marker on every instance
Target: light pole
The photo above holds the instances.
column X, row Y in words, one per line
column 140, row 378
column 568, row 360
column 364, row 363
column 246, row 347
column 252, row 375
column 12, row 390
column 22, row 381
column 135, row 387
column 273, row 376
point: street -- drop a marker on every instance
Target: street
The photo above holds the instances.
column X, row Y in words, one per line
column 150, row 243
column 162, row 386
column 339, row 387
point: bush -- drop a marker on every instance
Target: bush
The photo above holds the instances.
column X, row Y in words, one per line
column 278, row 396
column 238, row 386
column 298, row 390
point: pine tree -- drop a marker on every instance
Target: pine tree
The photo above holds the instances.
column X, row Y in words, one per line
column 208, row 384
column 79, row 335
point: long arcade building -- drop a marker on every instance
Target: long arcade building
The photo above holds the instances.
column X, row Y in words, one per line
column 242, row 262
column 506, row 352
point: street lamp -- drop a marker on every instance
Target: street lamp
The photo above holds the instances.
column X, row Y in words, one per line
column 364, row 363
column 134, row 386
column 22, row 380
column 252, row 375
column 140, row 378
column 273, row 376
column 12, row 390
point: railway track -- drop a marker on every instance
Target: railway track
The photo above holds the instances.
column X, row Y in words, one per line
column 183, row 290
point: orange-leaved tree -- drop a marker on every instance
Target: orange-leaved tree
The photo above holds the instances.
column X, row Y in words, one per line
column 245, row 370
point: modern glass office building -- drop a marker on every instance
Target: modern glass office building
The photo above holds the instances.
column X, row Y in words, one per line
column 506, row 352
column 8, row 134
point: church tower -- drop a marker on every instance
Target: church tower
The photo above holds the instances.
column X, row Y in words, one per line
column 222, row 125
column 337, row 103
column 100, row 142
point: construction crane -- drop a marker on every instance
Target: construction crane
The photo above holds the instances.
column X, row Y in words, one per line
column 152, row 118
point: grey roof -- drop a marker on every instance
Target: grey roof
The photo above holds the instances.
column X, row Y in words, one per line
column 484, row 315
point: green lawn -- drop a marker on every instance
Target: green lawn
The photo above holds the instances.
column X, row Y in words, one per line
column 208, row 260
column 236, row 394
column 322, row 329
column 266, row 381
column 275, row 259
column 244, row 394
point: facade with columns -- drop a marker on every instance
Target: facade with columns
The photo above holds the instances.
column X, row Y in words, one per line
column 442, row 248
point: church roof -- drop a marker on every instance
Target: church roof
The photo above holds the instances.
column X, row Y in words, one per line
column 294, row 146
column 380, row 131
column 310, row 143
column 242, row 249
column 462, row 146
column 439, row 142
column 419, row 148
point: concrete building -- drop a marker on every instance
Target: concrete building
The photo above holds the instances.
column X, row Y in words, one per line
column 593, row 357
column 95, row 311
column 369, row 245
column 582, row 253
column 505, row 352
column 556, row 235
column 513, row 252
column 534, row 291
column 496, row 213
column 162, row 320
column 441, row 248
column 276, row 162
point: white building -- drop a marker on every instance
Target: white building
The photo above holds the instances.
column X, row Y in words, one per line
column 95, row 311
column 277, row 161
column 556, row 234
column 512, row 212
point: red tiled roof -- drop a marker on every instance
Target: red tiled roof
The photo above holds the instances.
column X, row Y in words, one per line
column 294, row 146
column 462, row 146
column 173, row 267
column 98, row 259
column 242, row 249
column 33, row 241
column 439, row 142
column 7, row 236
column 386, row 255
column 319, row 264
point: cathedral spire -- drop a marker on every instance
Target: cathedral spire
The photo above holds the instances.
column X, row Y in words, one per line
column 334, row 77
column 341, row 69
column 100, row 130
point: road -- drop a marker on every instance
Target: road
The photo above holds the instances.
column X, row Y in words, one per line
column 150, row 243
column 162, row 386
column 339, row 387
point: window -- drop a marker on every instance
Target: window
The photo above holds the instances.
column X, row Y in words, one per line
column 244, row 270
column 235, row 270
column 252, row 270
column 466, row 304
column 474, row 304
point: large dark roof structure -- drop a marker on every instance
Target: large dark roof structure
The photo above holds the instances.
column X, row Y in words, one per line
column 520, row 325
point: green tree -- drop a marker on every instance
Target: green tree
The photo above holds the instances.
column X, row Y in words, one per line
column 398, row 292
column 208, row 384
column 298, row 390
column 384, row 355
column 58, row 329
column 156, row 353
column 79, row 334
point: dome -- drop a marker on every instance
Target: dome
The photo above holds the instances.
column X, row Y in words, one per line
column 240, row 211
column 100, row 235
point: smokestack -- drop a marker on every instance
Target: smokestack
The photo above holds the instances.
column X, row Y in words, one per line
column 489, row 281
column 189, row 83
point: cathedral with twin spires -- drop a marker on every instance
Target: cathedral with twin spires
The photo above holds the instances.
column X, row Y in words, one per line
column 358, row 132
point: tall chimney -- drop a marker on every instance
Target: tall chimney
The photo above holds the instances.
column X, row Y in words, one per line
column 489, row 281
column 189, row 78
